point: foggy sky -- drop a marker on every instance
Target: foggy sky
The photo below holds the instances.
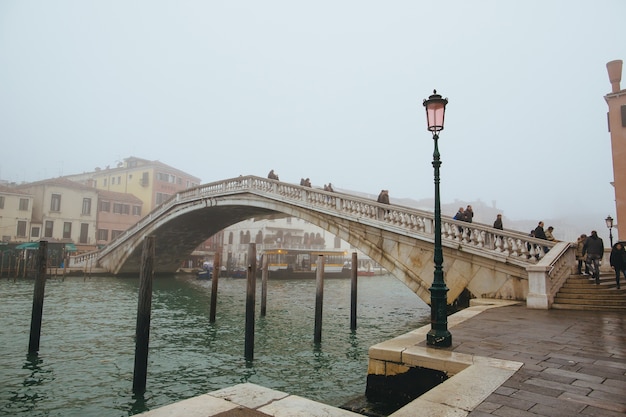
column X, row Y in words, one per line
column 332, row 91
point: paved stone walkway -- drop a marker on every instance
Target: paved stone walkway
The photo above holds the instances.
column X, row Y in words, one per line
column 574, row 361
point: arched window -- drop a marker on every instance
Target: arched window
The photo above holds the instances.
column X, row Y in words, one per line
column 230, row 238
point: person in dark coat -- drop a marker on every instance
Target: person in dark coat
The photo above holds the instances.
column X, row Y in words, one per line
column 539, row 232
column 594, row 249
column 498, row 223
column 618, row 261
column 468, row 214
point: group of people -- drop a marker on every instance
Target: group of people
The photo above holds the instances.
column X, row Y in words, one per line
column 306, row 182
column 589, row 252
column 464, row 214
column 383, row 197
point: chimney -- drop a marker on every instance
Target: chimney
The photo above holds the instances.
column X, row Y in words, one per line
column 615, row 74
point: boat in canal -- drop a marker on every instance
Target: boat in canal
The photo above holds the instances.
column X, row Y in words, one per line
column 206, row 272
column 302, row 263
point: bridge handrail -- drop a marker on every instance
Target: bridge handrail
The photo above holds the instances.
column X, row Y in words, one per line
column 517, row 247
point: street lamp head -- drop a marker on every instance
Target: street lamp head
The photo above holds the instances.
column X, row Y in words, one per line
column 609, row 222
column 435, row 112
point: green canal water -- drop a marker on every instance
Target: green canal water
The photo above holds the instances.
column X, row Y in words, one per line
column 86, row 358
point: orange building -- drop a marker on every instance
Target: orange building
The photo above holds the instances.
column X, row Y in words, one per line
column 616, row 101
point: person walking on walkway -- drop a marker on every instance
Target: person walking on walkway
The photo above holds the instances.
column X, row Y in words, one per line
column 580, row 257
column 618, row 261
column 594, row 249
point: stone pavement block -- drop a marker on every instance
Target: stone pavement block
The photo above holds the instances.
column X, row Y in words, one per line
column 599, row 412
column 249, row 395
column 601, row 387
column 511, row 402
column 554, row 402
column 469, row 387
column 423, row 408
column 598, row 403
column 615, row 383
column 572, row 358
column 546, row 410
column 487, row 407
column 295, row 406
column 201, row 406
column 504, row 390
column 612, row 364
column 523, row 386
column 506, row 411
column 574, row 375
column 603, row 371
column 559, row 386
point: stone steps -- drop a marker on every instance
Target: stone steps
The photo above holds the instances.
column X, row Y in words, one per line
column 581, row 293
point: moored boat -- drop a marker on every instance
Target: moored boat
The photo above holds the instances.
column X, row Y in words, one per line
column 302, row 263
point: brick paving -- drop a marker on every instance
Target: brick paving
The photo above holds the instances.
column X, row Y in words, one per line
column 574, row 361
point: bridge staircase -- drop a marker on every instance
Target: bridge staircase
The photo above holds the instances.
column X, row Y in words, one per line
column 580, row 292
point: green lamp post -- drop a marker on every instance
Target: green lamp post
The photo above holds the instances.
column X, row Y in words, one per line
column 438, row 336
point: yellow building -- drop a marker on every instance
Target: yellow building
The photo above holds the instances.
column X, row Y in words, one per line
column 63, row 211
column 616, row 101
column 153, row 182
column 16, row 208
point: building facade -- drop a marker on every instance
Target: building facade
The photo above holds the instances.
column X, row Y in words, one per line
column 616, row 101
column 63, row 211
column 116, row 213
column 153, row 182
column 16, row 207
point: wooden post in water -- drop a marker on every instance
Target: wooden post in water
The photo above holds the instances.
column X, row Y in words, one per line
column 214, row 281
column 40, row 286
column 319, row 299
column 144, row 306
column 264, row 263
column 250, row 301
column 353, row 288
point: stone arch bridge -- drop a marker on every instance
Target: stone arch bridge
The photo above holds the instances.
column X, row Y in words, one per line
column 490, row 263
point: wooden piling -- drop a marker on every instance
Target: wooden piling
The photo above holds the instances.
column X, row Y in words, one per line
column 40, row 286
column 264, row 275
column 353, row 292
column 144, row 306
column 250, row 301
column 214, row 281
column 319, row 299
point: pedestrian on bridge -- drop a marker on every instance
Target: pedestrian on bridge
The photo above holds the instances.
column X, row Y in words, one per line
column 272, row 175
column 618, row 261
column 468, row 214
column 580, row 256
column 594, row 249
column 498, row 223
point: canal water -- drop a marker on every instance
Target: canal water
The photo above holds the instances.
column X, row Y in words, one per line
column 86, row 358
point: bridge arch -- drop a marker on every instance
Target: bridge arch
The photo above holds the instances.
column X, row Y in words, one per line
column 399, row 238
